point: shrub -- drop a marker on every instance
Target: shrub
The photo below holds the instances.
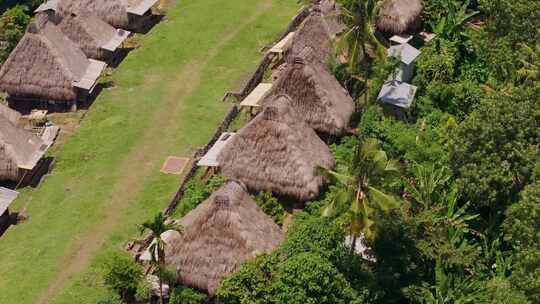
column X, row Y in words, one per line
column 122, row 274
column 271, row 206
column 308, row 278
column 185, row 295
column 197, row 190
column 249, row 285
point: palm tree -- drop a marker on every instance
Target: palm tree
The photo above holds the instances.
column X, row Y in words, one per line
column 427, row 184
column 157, row 227
column 357, row 187
column 359, row 18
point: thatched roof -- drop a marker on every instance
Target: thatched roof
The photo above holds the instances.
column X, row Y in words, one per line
column 114, row 12
column 315, row 35
column 90, row 33
column 398, row 16
column 325, row 105
column 45, row 64
column 20, row 149
column 219, row 235
column 278, row 152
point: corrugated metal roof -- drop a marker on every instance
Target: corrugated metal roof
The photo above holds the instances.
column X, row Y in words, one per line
column 210, row 158
column 399, row 94
column 141, row 8
column 404, row 52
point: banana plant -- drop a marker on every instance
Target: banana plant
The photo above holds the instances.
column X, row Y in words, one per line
column 451, row 26
column 357, row 187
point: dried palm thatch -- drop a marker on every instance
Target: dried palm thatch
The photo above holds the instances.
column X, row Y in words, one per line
column 315, row 35
column 89, row 32
column 331, row 10
column 278, row 152
column 114, row 12
column 19, row 150
column 219, row 235
column 398, row 16
column 325, row 105
column 44, row 65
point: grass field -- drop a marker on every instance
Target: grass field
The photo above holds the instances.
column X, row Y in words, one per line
column 165, row 102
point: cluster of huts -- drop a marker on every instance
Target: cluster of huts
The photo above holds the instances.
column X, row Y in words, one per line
column 66, row 47
column 277, row 151
column 56, row 65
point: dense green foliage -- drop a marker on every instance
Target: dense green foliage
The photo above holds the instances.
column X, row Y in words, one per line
column 184, row 295
column 467, row 226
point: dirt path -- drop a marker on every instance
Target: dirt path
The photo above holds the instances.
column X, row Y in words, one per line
column 139, row 163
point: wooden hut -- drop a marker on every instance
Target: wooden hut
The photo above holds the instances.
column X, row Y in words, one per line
column 219, row 235
column 125, row 14
column 325, row 105
column 399, row 16
column 96, row 38
column 278, row 152
column 20, row 152
column 48, row 68
column 315, row 35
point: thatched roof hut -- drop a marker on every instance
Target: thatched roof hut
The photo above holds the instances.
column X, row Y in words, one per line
column 219, row 235
column 278, row 152
column 325, row 105
column 315, row 35
column 20, row 150
column 118, row 13
column 96, row 38
column 398, row 16
column 46, row 65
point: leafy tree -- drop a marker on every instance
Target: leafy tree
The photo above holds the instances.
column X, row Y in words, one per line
column 157, row 227
column 122, row 275
column 522, row 226
column 13, row 23
column 450, row 24
column 307, row 278
column 494, row 150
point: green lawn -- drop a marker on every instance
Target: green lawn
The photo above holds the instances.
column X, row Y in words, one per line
column 165, row 102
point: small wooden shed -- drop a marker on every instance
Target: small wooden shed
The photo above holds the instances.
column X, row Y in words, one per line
column 20, row 151
column 7, row 196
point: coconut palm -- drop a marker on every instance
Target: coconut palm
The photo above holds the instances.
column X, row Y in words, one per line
column 359, row 18
column 357, row 187
column 157, row 227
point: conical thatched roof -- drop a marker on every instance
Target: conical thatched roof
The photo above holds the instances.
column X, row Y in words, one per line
column 398, row 16
column 89, row 32
column 325, row 105
column 45, row 64
column 219, row 235
column 314, row 35
column 278, row 152
column 19, row 149
column 114, row 12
